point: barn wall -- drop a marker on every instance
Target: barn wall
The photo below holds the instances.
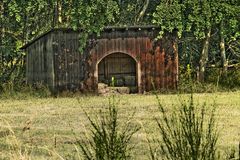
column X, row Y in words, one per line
column 67, row 60
column 156, row 60
column 54, row 59
column 39, row 68
column 160, row 67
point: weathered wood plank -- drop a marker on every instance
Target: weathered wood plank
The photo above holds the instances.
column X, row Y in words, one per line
column 66, row 66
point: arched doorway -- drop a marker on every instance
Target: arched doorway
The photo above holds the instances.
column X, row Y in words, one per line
column 121, row 67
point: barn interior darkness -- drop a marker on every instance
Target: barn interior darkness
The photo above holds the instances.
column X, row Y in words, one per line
column 119, row 67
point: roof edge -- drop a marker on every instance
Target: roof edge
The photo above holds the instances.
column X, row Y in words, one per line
column 107, row 28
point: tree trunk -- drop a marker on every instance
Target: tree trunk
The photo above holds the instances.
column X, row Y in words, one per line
column 59, row 8
column 1, row 21
column 57, row 18
column 25, row 28
column 204, row 57
column 141, row 14
column 222, row 49
column 1, row 32
column 175, row 72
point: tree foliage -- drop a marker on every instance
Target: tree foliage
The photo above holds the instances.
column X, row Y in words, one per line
column 202, row 21
column 23, row 20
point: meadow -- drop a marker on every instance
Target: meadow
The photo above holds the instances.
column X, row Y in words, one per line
column 48, row 128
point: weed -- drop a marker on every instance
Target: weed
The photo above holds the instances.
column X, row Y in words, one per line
column 109, row 141
column 184, row 134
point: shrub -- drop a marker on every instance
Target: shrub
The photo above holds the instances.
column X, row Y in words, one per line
column 185, row 134
column 231, row 79
column 228, row 80
column 25, row 91
column 108, row 141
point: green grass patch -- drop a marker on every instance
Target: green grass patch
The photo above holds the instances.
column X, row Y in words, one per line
column 52, row 124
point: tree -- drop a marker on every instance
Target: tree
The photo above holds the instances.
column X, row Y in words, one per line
column 91, row 16
column 23, row 20
column 199, row 18
column 227, row 17
column 135, row 12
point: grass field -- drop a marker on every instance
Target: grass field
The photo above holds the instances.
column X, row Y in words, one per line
column 54, row 124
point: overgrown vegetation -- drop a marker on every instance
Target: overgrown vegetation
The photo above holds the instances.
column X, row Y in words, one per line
column 109, row 139
column 23, row 91
column 228, row 80
column 215, row 81
column 187, row 133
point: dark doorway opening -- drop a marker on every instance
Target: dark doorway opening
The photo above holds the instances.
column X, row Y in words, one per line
column 120, row 68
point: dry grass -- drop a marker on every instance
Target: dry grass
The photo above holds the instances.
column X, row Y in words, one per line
column 47, row 128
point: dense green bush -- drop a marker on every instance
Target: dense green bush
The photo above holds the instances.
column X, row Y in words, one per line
column 215, row 80
column 228, row 80
column 188, row 82
column 231, row 79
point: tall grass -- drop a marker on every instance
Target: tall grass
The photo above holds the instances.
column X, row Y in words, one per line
column 9, row 91
column 109, row 140
column 16, row 149
column 186, row 134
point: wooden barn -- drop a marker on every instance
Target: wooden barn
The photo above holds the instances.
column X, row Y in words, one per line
column 130, row 55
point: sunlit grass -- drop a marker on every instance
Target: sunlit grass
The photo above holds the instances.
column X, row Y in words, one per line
column 53, row 122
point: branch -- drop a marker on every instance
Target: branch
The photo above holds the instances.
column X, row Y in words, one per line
column 16, row 36
column 234, row 48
